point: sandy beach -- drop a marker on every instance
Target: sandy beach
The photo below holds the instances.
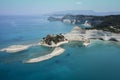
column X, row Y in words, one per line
column 57, row 51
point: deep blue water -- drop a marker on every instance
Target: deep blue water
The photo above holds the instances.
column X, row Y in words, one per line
column 99, row 61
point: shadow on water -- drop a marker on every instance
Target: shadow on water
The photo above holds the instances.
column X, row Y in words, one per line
column 73, row 44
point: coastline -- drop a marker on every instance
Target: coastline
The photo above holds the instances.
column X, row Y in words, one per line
column 54, row 45
column 15, row 48
column 57, row 51
column 76, row 34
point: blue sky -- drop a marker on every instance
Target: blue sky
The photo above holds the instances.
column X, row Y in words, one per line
column 21, row 7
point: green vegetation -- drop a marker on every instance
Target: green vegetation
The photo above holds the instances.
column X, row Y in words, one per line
column 53, row 38
column 109, row 23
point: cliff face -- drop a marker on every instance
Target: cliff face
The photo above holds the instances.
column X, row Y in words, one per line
column 78, row 19
column 81, row 19
column 107, row 23
column 54, row 19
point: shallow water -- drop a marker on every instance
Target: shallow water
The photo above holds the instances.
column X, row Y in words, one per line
column 99, row 61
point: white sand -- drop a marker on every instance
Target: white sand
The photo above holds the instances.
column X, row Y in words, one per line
column 73, row 37
column 57, row 51
column 102, row 34
column 76, row 34
column 15, row 48
column 86, row 44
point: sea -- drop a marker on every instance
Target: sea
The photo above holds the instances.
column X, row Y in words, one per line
column 98, row 61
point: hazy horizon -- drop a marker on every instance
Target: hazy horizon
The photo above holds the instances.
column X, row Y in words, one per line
column 36, row 7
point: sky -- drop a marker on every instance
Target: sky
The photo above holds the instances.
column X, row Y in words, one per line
column 30, row 7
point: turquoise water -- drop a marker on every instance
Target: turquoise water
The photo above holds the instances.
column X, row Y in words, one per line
column 98, row 61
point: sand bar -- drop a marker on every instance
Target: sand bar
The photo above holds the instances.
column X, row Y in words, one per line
column 15, row 48
column 57, row 51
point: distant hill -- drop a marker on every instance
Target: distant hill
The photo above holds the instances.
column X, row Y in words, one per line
column 109, row 23
column 84, row 12
column 106, row 23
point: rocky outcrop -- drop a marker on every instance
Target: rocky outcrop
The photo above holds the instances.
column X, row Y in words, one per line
column 77, row 19
column 54, row 19
column 107, row 23
column 78, row 34
column 53, row 40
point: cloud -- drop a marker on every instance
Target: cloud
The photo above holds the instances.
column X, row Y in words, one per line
column 79, row 3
